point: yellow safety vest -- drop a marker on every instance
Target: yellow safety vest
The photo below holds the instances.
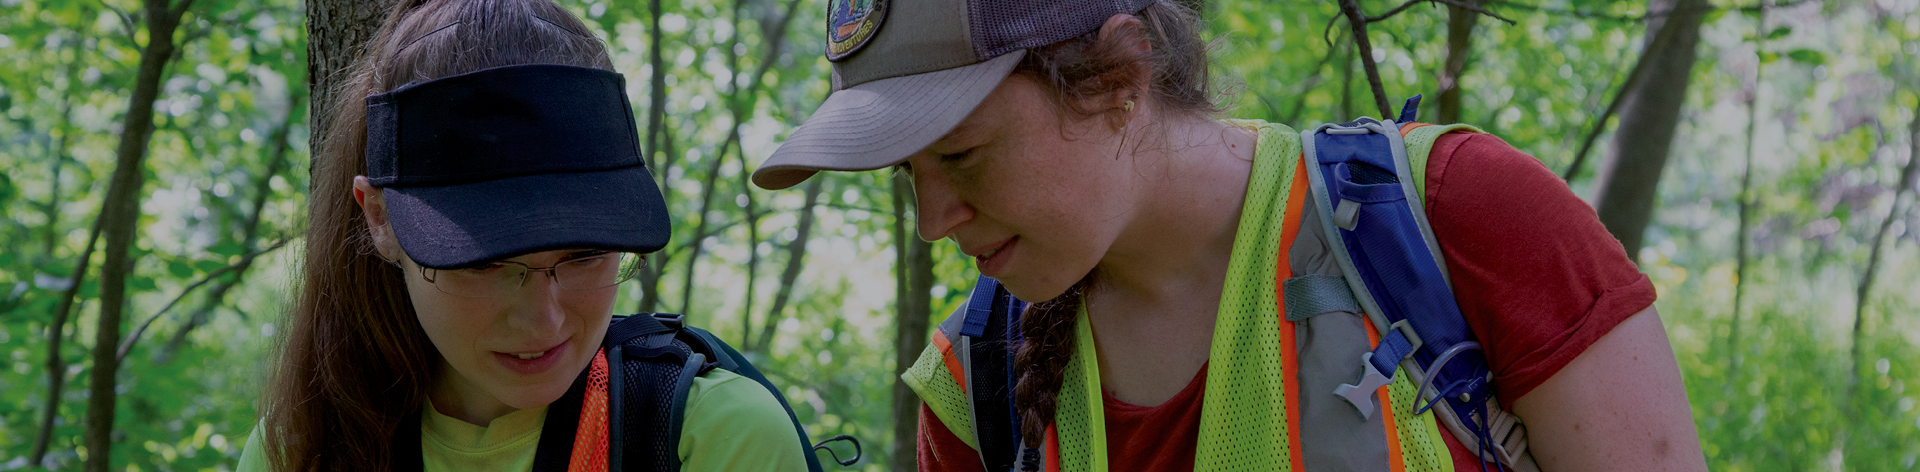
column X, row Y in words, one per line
column 1269, row 376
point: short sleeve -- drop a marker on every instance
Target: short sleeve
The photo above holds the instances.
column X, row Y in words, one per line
column 939, row 450
column 1536, row 274
column 734, row 423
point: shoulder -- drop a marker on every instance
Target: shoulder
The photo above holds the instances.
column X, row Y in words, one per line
column 253, row 456
column 1538, row 274
column 734, row 423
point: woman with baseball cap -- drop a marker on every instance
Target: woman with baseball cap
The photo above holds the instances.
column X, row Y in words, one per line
column 475, row 205
column 1074, row 150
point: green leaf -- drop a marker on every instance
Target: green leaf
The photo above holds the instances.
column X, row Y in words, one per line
column 142, row 284
column 1808, row 56
column 1780, row 32
column 228, row 248
column 179, row 269
column 208, row 266
column 1768, row 57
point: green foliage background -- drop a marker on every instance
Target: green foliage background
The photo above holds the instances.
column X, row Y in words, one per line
column 1838, row 92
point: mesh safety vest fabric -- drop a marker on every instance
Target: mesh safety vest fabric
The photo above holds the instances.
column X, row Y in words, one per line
column 1246, row 423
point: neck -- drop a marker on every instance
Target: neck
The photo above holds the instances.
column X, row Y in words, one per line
column 453, row 396
column 1179, row 243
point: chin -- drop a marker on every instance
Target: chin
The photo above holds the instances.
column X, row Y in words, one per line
column 1035, row 291
column 535, row 396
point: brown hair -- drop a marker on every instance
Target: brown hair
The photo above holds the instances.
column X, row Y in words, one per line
column 1076, row 70
column 356, row 361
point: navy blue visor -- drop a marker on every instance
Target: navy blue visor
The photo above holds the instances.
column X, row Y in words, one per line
column 513, row 160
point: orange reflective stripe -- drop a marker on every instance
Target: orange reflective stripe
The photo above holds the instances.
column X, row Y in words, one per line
column 590, row 439
column 1409, row 127
column 1289, row 353
column 953, row 363
column 1053, row 449
column 1386, row 412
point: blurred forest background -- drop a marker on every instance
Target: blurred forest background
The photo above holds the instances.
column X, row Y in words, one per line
column 1757, row 156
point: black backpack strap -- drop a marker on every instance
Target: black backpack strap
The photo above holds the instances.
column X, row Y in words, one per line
column 406, row 445
column 555, row 450
column 992, row 332
column 648, row 376
column 727, row 358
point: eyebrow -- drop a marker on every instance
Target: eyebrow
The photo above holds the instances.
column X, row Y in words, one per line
column 959, row 131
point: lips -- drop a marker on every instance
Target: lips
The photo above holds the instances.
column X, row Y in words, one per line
column 992, row 260
column 532, row 362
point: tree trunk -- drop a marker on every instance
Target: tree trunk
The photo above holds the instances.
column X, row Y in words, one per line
column 913, row 282
column 1746, row 197
column 1628, row 182
column 336, row 32
column 796, row 254
column 120, row 220
column 1460, row 23
column 1901, row 188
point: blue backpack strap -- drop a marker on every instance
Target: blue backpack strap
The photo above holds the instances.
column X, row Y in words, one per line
column 1362, row 185
column 991, row 331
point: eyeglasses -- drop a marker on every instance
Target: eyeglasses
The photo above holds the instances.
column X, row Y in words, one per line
column 501, row 278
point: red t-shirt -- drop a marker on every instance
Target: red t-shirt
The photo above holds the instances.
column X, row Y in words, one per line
column 1537, row 276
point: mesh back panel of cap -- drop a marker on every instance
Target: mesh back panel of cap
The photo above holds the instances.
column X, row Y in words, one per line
column 1003, row 26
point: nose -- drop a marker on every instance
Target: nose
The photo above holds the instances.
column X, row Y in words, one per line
column 538, row 313
column 940, row 209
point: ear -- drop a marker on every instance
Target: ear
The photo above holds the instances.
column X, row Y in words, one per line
column 1124, row 36
column 373, row 205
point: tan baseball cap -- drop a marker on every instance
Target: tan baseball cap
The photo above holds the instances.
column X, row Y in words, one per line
column 905, row 72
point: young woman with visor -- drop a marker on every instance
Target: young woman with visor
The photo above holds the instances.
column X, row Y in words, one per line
column 476, row 203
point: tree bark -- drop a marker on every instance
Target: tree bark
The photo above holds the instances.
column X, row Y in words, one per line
column 656, row 127
column 796, row 254
column 337, row 30
column 123, row 200
column 1629, row 181
column 913, row 305
column 1460, row 23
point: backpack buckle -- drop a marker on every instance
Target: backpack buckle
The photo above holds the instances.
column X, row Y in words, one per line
column 1361, row 396
column 673, row 320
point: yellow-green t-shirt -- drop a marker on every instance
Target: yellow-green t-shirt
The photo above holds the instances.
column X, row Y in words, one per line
column 732, row 423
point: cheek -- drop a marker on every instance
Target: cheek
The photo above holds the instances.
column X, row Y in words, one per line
column 452, row 323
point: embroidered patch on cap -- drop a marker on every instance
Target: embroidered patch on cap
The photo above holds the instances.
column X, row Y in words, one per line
column 850, row 24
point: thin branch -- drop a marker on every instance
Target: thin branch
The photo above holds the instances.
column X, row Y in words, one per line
column 1746, row 198
column 1660, row 40
column 1464, row 5
column 1631, row 18
column 126, row 22
column 127, row 345
column 1364, row 48
column 56, row 365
